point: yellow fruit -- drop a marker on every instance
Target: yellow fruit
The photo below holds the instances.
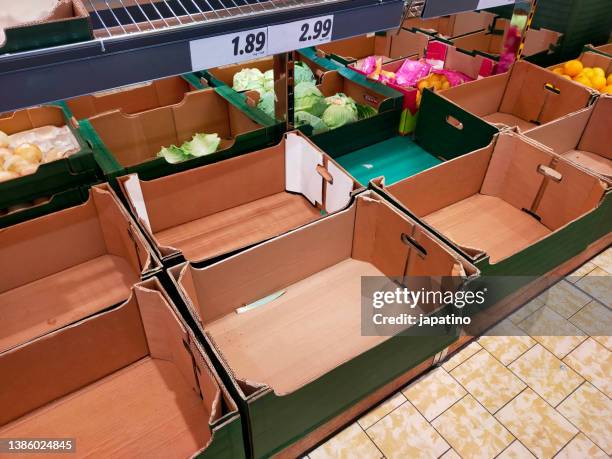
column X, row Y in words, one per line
column 598, row 82
column 422, row 85
column 559, row 71
column 437, row 85
column 445, row 85
column 573, row 67
column 599, row 71
column 567, row 77
column 588, row 72
column 607, row 89
column 30, row 152
column 609, row 79
column 583, row 80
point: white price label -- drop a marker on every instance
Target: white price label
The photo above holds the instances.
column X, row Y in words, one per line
column 482, row 4
column 300, row 34
column 231, row 48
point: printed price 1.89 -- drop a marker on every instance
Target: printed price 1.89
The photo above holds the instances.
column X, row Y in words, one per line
column 253, row 43
column 320, row 29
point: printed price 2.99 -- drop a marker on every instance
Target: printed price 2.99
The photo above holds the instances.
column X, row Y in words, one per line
column 320, row 29
column 254, row 42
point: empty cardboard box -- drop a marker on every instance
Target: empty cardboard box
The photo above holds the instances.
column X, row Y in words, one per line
column 129, row 141
column 514, row 208
column 65, row 266
column 66, row 22
column 584, row 137
column 51, row 130
column 290, row 335
column 525, row 97
column 216, row 209
column 131, row 381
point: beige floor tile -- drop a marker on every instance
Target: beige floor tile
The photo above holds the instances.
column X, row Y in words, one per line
column 405, row 433
column 506, row 342
column 594, row 363
column 604, row 260
column 580, row 272
column 594, row 319
column 471, row 430
column 516, row 451
column 581, row 447
column 450, row 454
column 598, row 284
column 604, row 341
column 590, row 411
column 564, row 298
column 381, row 410
column 536, row 424
column 550, row 378
column 434, row 393
column 488, row 381
column 351, row 443
column 526, row 311
column 553, row 331
column 462, row 355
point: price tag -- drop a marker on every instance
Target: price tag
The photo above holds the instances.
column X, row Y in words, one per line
column 231, row 48
column 300, row 34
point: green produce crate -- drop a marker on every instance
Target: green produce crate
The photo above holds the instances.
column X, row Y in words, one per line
column 44, row 205
column 437, row 138
column 68, row 23
column 128, row 144
column 50, row 178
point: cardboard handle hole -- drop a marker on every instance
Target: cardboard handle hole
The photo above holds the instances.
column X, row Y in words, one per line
column 409, row 240
column 552, row 88
column 454, row 122
column 325, row 174
column 549, row 172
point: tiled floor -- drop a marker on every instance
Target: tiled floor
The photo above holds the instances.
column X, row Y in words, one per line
column 508, row 396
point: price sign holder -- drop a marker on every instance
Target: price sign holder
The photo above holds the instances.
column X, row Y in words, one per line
column 300, row 34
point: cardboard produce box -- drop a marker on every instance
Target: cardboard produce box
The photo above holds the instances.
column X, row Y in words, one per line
column 129, row 142
column 591, row 59
column 583, row 137
column 130, row 380
column 219, row 208
column 604, row 49
column 453, row 25
column 442, row 56
column 390, row 46
column 284, row 317
column 540, row 44
column 65, row 266
column 443, row 131
column 514, row 208
column 59, row 160
column 524, row 97
column 66, row 21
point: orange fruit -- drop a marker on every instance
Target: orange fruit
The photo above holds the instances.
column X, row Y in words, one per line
column 583, row 80
column 598, row 82
column 573, row 67
column 609, row 79
column 607, row 89
column 559, row 71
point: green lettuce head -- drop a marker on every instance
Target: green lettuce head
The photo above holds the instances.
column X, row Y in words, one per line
column 340, row 111
column 305, row 118
column 302, row 73
column 201, row 144
column 248, row 79
column 266, row 103
column 172, row 154
column 268, row 81
column 309, row 99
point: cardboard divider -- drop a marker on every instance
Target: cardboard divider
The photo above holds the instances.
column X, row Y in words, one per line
column 453, row 25
column 317, row 268
column 136, row 366
column 356, row 48
column 501, row 199
column 67, row 22
column 77, row 169
column 605, row 49
column 89, row 255
column 234, row 203
column 525, row 97
column 583, row 137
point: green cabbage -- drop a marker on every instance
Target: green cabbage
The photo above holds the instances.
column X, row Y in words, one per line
column 309, row 99
column 302, row 73
column 266, row 103
column 305, row 118
column 268, row 82
column 341, row 110
column 172, row 154
column 249, row 79
column 201, row 144
column 365, row 111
